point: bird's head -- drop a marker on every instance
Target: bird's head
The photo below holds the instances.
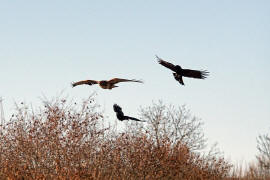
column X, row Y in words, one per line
column 178, row 67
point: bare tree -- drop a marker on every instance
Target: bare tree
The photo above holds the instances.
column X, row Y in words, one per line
column 67, row 140
column 263, row 146
column 175, row 124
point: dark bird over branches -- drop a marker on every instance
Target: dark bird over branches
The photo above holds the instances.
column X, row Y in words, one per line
column 120, row 115
column 179, row 73
column 105, row 84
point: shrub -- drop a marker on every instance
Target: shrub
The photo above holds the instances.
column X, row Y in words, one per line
column 69, row 141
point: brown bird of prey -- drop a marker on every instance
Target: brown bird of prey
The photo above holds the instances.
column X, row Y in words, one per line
column 120, row 115
column 179, row 72
column 105, row 84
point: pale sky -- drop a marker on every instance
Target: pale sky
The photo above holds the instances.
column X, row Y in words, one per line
column 45, row 45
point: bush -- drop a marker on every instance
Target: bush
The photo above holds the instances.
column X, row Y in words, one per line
column 68, row 141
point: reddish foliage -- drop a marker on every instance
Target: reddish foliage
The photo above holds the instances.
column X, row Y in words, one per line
column 63, row 141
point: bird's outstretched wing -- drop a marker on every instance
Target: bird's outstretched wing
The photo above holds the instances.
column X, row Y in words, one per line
column 118, row 80
column 195, row 73
column 88, row 82
column 166, row 64
column 134, row 119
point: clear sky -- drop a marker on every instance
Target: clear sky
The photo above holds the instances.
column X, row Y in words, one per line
column 45, row 45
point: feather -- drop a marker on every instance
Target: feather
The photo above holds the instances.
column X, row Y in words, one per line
column 195, row 73
column 88, row 82
column 166, row 64
column 118, row 80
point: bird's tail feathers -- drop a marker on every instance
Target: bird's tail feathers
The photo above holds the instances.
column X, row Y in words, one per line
column 178, row 78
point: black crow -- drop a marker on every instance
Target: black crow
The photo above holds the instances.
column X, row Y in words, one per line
column 179, row 72
column 120, row 115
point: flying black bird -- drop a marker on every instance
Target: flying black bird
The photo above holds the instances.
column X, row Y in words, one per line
column 120, row 115
column 179, row 72
column 105, row 84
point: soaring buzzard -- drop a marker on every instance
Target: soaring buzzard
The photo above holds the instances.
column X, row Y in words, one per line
column 179, row 72
column 120, row 115
column 105, row 84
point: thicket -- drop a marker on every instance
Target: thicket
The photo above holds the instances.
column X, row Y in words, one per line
column 68, row 140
